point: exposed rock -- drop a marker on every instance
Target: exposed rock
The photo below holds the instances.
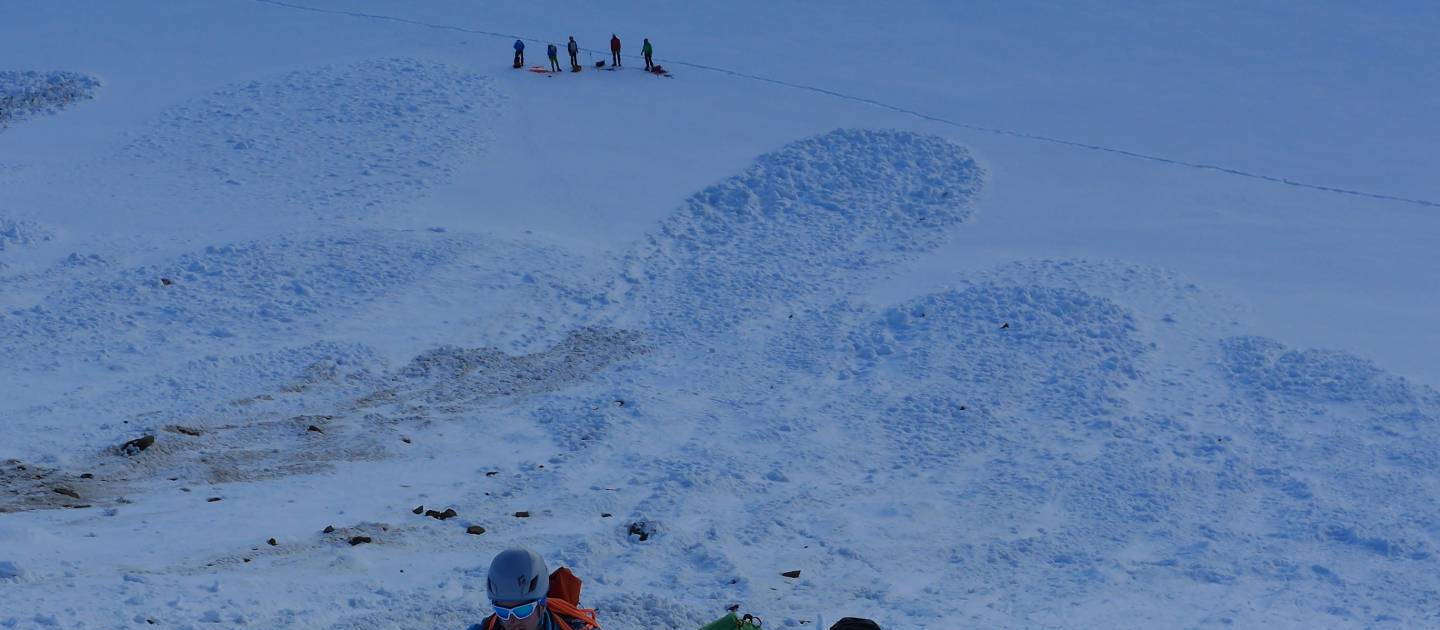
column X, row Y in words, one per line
column 133, row 447
column 475, row 530
column 643, row 529
column 359, row 540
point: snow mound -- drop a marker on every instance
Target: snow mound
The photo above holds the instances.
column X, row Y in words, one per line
column 1264, row 366
column 244, row 292
column 26, row 94
column 353, row 137
column 808, row 217
column 996, row 344
column 9, row 571
column 17, row 233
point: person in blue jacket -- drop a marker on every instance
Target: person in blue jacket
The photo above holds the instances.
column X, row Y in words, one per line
column 519, row 53
column 517, row 585
column 554, row 54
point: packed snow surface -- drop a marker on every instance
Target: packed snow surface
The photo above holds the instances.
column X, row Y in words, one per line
column 319, row 288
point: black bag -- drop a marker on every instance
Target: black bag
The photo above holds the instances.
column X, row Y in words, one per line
column 855, row 623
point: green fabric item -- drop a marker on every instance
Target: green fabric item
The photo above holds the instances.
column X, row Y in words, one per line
column 730, row 622
column 648, row 49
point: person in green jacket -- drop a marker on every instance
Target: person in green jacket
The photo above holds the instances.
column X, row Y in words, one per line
column 648, row 51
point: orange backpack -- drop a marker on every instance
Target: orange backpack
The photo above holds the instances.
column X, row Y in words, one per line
column 563, row 601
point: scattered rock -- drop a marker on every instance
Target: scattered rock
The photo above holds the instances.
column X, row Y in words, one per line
column 643, row 529
column 329, row 529
column 1005, row 326
column 133, row 447
column 475, row 530
column 492, row 473
column 67, row 492
column 448, row 513
column 87, row 476
column 522, row 515
column 313, row 428
column 359, row 540
column 419, row 509
column 405, row 440
column 791, row 574
column 166, row 281
column 212, row 499
column 184, row 430
column 604, row 515
column 271, row 542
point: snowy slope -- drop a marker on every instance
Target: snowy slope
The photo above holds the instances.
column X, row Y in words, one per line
column 971, row 367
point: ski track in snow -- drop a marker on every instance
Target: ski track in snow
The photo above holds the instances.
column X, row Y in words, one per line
column 1089, row 430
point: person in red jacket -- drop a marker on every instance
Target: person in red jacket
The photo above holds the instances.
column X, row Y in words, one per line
column 615, row 49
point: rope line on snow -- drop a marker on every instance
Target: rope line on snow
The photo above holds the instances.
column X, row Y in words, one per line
column 910, row 112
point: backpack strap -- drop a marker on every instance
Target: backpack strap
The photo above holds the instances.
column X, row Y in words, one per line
column 561, row 609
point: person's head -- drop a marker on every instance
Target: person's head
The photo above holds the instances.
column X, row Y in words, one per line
column 516, row 585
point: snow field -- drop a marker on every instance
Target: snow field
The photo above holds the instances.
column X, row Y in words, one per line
column 262, row 278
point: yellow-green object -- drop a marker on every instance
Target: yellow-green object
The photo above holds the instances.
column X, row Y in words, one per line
column 732, row 622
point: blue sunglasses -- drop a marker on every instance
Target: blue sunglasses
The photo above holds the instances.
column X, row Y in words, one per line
column 523, row 611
